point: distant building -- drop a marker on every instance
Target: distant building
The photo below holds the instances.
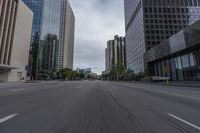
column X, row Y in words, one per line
column 150, row 22
column 15, row 34
column 87, row 72
column 177, row 57
column 93, row 75
column 107, row 61
column 84, row 71
column 115, row 53
column 52, row 44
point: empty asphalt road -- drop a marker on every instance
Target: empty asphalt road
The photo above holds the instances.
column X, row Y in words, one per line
column 98, row 107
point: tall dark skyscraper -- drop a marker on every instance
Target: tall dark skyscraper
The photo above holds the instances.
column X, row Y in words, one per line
column 48, row 36
column 149, row 22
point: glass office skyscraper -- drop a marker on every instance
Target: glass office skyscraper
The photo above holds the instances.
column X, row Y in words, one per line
column 49, row 39
column 149, row 22
column 46, row 35
column 36, row 6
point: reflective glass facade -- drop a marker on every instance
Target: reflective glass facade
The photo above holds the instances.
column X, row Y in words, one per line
column 37, row 7
column 49, row 39
column 182, row 61
column 149, row 22
column 181, row 67
column 52, row 37
column 135, row 42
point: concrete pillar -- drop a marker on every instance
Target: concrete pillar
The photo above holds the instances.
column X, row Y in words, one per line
column 2, row 22
column 16, row 5
column 11, row 32
column 5, row 32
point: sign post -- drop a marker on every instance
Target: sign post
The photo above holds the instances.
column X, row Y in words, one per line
column 165, row 70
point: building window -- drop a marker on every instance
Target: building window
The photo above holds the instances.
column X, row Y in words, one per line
column 179, row 68
column 193, row 61
column 185, row 61
column 173, row 69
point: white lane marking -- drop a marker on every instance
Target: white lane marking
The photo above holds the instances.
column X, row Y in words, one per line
column 80, row 87
column 7, row 118
column 184, row 121
column 16, row 90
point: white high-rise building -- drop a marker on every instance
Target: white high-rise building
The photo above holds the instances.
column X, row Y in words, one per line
column 15, row 33
column 66, row 44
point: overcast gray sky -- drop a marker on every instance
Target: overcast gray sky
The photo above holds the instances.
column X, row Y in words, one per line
column 97, row 21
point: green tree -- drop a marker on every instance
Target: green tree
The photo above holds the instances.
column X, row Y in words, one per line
column 113, row 72
column 65, row 73
column 73, row 75
column 121, row 71
column 82, row 76
column 118, row 72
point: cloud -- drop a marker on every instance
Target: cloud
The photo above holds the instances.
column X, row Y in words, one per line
column 97, row 21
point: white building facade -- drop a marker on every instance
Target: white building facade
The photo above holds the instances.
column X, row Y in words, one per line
column 15, row 33
column 66, row 44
